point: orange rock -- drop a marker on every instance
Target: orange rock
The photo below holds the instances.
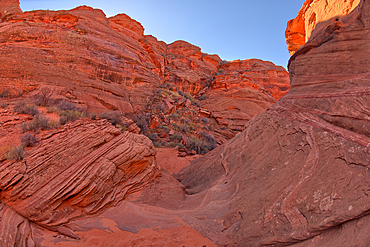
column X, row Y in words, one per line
column 188, row 68
column 244, row 89
column 300, row 29
column 154, row 123
column 91, row 165
column 304, row 162
column 8, row 7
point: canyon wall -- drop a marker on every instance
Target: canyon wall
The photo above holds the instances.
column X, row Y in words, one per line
column 299, row 30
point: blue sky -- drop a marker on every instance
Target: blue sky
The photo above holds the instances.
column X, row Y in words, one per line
column 233, row 29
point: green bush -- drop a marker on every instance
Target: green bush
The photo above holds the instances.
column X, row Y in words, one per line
column 153, row 137
column 157, row 144
column 197, row 145
column 65, row 105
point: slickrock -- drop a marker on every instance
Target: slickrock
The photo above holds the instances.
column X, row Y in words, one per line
column 300, row 170
column 79, row 170
column 313, row 12
column 244, row 89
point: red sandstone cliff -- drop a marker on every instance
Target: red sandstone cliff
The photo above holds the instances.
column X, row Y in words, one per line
column 101, row 63
column 299, row 30
column 296, row 175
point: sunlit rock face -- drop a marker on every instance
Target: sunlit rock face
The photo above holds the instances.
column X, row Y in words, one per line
column 299, row 30
column 243, row 89
column 8, row 7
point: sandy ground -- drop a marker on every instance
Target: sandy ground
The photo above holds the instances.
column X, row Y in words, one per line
column 168, row 160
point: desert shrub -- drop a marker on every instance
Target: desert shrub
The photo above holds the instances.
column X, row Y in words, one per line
column 197, row 145
column 38, row 123
column 195, row 102
column 187, row 95
column 3, row 105
column 184, row 128
column 142, row 121
column 209, row 138
column 176, row 137
column 157, row 144
column 203, row 97
column 205, row 120
column 65, row 105
column 153, row 137
column 175, row 115
column 4, row 93
column 174, row 144
column 164, row 128
column 29, row 140
column 114, row 117
column 43, row 98
column 93, row 115
column 25, row 107
column 184, row 121
column 15, row 153
column 203, row 145
column 69, row 116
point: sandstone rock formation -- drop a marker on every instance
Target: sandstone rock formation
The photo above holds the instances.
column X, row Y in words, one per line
column 313, row 12
column 300, row 170
column 296, row 175
column 9, row 7
column 100, row 63
column 78, row 170
column 244, row 89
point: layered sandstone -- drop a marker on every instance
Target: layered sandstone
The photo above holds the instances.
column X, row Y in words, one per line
column 244, row 89
column 9, row 7
column 78, row 170
column 299, row 30
column 100, row 63
column 296, row 175
column 299, row 171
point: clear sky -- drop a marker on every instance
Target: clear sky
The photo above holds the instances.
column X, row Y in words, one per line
column 233, row 29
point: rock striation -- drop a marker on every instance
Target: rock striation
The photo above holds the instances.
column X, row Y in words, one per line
column 76, row 171
column 303, row 164
column 299, row 30
column 98, row 62
column 244, row 89
column 298, row 174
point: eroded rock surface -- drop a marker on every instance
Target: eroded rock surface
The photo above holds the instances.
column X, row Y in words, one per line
column 244, row 89
column 100, row 63
column 300, row 170
column 78, row 170
column 299, row 30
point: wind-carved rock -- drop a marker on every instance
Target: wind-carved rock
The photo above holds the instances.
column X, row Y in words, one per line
column 243, row 89
column 299, row 30
column 8, row 7
column 77, row 171
column 300, row 169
